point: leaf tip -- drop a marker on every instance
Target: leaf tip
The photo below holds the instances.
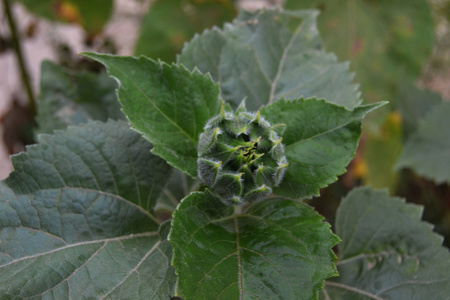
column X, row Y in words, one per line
column 91, row 55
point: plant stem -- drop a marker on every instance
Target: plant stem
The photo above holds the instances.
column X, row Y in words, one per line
column 18, row 50
column 238, row 210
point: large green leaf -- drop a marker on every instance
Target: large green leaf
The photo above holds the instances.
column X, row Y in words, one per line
column 320, row 139
column 269, row 54
column 181, row 19
column 383, row 39
column 427, row 151
column 77, row 221
column 92, row 15
column 276, row 249
column 104, row 157
column 167, row 104
column 386, row 251
column 69, row 98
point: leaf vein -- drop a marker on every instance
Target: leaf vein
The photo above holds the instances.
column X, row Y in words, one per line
column 352, row 289
column 180, row 129
column 282, row 61
column 134, row 269
column 107, row 240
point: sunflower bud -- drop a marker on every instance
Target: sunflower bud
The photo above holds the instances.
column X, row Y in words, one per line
column 240, row 156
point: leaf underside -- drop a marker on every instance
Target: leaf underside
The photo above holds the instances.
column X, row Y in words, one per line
column 276, row 249
column 167, row 104
column 320, row 140
column 386, row 251
column 270, row 54
column 77, row 218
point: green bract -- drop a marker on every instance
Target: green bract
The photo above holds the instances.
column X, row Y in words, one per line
column 240, row 156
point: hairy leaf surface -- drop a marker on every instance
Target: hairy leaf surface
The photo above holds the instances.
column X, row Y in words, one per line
column 167, row 104
column 276, row 249
column 270, row 54
column 77, row 221
column 427, row 151
column 69, row 97
column 386, row 251
column 320, row 139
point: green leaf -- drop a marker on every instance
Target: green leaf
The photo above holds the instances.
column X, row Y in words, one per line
column 69, row 98
column 276, row 249
column 181, row 19
column 167, row 104
column 383, row 39
column 97, row 157
column 427, row 151
column 77, row 218
column 386, row 251
column 320, row 139
column 92, row 15
column 414, row 103
column 269, row 54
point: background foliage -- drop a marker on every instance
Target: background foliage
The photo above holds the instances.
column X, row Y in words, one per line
column 387, row 46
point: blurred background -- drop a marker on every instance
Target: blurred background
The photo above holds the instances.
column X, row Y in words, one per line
column 399, row 51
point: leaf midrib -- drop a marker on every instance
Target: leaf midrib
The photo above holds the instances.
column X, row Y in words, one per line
column 108, row 240
column 156, row 107
column 319, row 134
column 74, row 271
column 118, row 197
column 282, row 61
column 352, row 289
column 134, row 269
column 235, row 218
column 238, row 257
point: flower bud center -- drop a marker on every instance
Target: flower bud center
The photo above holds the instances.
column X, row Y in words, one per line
column 240, row 157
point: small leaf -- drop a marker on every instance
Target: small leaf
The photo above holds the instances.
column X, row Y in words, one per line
column 167, row 104
column 77, row 221
column 69, row 97
column 386, row 251
column 269, row 54
column 276, row 249
column 320, row 139
column 427, row 151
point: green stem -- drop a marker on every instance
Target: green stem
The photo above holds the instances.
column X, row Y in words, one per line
column 18, row 50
